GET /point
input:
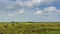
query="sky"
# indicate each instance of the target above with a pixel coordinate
(30, 10)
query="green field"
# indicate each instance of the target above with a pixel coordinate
(30, 28)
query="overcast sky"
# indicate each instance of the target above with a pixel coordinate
(30, 10)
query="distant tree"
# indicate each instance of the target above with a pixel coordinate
(29, 22)
(12, 22)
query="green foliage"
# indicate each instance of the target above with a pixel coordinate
(29, 28)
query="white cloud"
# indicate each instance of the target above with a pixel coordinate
(20, 3)
(38, 12)
(28, 4)
(24, 3)
(15, 14)
(21, 11)
(32, 3)
(36, 1)
(47, 10)
(58, 11)
(51, 8)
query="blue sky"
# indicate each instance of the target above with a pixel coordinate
(30, 10)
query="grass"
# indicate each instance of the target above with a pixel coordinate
(30, 28)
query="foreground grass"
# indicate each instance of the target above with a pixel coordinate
(29, 28)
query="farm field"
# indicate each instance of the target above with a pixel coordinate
(30, 28)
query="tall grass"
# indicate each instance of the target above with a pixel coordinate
(29, 28)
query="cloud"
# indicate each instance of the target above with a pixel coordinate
(47, 10)
(32, 3)
(38, 12)
(51, 8)
(21, 11)
(19, 4)
(14, 14)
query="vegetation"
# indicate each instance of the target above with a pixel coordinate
(30, 28)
